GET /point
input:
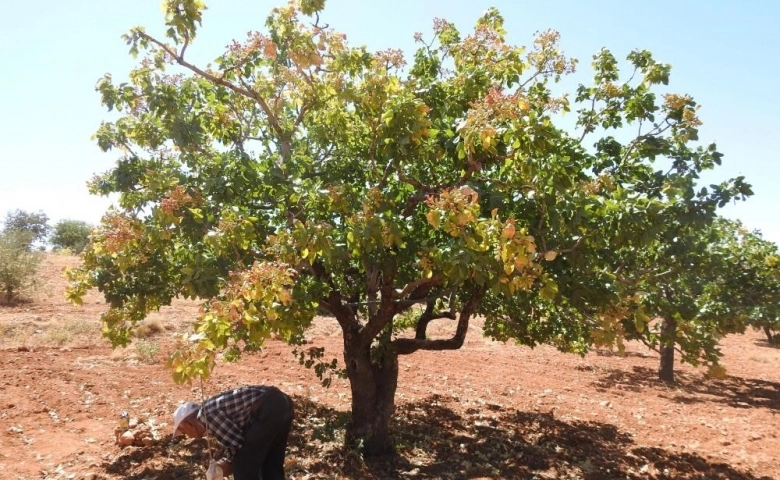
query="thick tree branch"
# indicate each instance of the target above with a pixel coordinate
(430, 314)
(405, 346)
(420, 282)
(382, 316)
(344, 314)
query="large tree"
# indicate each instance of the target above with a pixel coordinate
(300, 174)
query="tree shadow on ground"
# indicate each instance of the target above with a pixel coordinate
(437, 438)
(763, 342)
(733, 391)
(167, 460)
(434, 441)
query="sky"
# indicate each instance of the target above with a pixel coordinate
(52, 53)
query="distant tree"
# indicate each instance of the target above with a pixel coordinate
(670, 292)
(18, 264)
(34, 223)
(71, 234)
(707, 279)
(750, 281)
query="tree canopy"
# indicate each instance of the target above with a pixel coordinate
(300, 174)
(71, 234)
(34, 225)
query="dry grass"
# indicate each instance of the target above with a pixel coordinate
(148, 329)
(69, 332)
(147, 351)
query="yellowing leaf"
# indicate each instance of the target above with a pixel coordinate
(550, 255)
(434, 218)
(550, 290)
(639, 322)
(508, 232)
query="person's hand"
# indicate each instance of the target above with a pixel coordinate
(214, 472)
(227, 467)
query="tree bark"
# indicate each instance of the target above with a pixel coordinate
(768, 333)
(373, 383)
(668, 336)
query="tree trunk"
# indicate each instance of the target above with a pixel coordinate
(373, 383)
(668, 337)
(768, 333)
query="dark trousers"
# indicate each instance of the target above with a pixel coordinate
(265, 439)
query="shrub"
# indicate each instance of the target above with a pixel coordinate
(147, 350)
(71, 234)
(18, 265)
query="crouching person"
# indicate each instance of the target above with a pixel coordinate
(250, 423)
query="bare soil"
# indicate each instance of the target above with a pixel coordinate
(487, 411)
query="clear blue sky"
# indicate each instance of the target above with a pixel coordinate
(723, 53)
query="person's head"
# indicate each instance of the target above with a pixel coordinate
(185, 420)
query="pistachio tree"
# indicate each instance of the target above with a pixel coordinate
(749, 285)
(298, 174)
(678, 296)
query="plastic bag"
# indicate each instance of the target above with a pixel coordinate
(214, 472)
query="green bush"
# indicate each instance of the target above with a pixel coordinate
(18, 264)
(71, 234)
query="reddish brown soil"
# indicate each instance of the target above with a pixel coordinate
(488, 410)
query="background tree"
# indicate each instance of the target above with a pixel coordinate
(671, 288)
(71, 234)
(36, 224)
(301, 173)
(18, 264)
(750, 283)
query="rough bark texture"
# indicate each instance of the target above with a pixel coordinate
(668, 335)
(373, 385)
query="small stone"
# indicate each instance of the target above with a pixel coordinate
(126, 439)
(141, 432)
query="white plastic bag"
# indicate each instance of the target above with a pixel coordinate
(214, 472)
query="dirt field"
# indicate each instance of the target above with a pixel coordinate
(488, 410)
